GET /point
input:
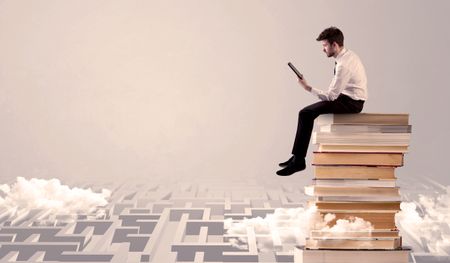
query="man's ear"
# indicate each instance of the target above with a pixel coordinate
(334, 45)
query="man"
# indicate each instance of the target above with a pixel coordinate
(346, 94)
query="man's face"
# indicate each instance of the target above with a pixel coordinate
(329, 49)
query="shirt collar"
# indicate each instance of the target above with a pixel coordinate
(339, 56)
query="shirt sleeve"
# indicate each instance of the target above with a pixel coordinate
(337, 85)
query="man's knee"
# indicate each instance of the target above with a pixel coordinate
(306, 113)
(309, 109)
(360, 108)
(314, 110)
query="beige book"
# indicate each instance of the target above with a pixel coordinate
(378, 220)
(362, 148)
(353, 172)
(367, 159)
(359, 198)
(354, 243)
(349, 206)
(352, 234)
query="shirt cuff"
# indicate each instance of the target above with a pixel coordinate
(315, 91)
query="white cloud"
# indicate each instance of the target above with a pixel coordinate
(50, 195)
(427, 221)
(430, 227)
(351, 225)
(289, 226)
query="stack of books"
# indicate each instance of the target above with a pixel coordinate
(354, 177)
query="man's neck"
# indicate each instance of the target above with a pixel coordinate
(339, 51)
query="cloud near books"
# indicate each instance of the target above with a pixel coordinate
(50, 195)
(427, 221)
(289, 226)
(424, 220)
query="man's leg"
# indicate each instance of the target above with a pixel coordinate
(307, 115)
(305, 125)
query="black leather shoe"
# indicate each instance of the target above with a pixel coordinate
(297, 165)
(287, 162)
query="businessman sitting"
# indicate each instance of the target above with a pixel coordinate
(346, 94)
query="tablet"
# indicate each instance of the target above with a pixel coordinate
(299, 75)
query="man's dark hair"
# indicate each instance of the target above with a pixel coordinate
(332, 34)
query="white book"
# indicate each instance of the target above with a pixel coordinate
(362, 148)
(361, 138)
(346, 191)
(359, 128)
(355, 182)
(354, 243)
(352, 256)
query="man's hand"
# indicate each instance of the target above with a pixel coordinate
(304, 84)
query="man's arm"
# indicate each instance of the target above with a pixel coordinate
(337, 85)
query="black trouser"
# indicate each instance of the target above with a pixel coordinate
(343, 104)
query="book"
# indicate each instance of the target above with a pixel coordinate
(351, 234)
(354, 172)
(362, 148)
(314, 190)
(387, 218)
(386, 139)
(361, 128)
(354, 177)
(352, 256)
(349, 206)
(367, 159)
(377, 224)
(354, 243)
(364, 118)
(355, 182)
(358, 198)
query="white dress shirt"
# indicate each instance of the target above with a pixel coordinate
(350, 78)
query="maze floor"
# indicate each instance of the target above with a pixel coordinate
(163, 222)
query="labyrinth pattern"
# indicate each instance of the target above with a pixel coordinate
(165, 222)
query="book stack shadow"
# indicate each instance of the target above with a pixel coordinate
(354, 178)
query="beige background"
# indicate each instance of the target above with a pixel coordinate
(145, 89)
